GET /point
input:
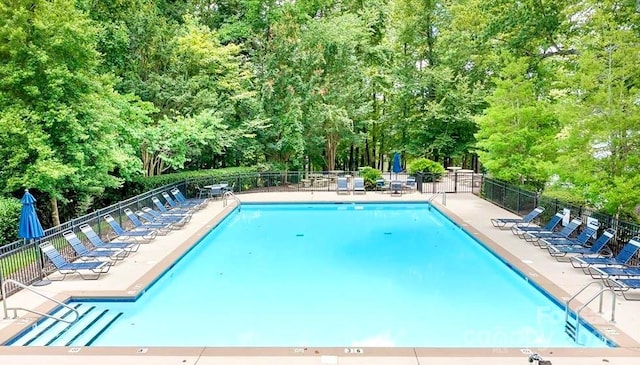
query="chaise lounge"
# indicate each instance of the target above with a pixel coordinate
(342, 185)
(506, 223)
(358, 185)
(561, 251)
(91, 269)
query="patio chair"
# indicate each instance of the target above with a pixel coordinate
(621, 259)
(410, 184)
(396, 187)
(358, 185)
(85, 254)
(520, 230)
(581, 240)
(506, 223)
(342, 185)
(536, 237)
(92, 269)
(561, 251)
(203, 193)
(140, 235)
(97, 242)
(216, 191)
(161, 228)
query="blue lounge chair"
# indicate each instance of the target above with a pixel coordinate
(582, 239)
(168, 216)
(561, 251)
(164, 210)
(153, 216)
(536, 237)
(161, 228)
(520, 230)
(358, 185)
(342, 185)
(97, 242)
(181, 199)
(92, 269)
(141, 236)
(175, 204)
(611, 272)
(506, 223)
(85, 254)
(621, 259)
(624, 285)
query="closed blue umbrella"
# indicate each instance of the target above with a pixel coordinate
(397, 166)
(30, 226)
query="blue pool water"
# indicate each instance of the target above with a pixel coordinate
(340, 275)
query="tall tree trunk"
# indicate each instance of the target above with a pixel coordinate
(55, 214)
(372, 162)
(351, 151)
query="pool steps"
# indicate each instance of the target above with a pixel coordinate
(92, 322)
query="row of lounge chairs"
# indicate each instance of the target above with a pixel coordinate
(147, 223)
(343, 185)
(583, 250)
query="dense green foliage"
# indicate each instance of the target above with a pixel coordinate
(370, 175)
(9, 217)
(95, 96)
(432, 169)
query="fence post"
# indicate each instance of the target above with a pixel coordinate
(455, 181)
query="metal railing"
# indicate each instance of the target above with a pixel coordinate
(522, 201)
(450, 182)
(573, 329)
(23, 262)
(434, 196)
(15, 310)
(230, 194)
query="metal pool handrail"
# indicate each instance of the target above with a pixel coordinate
(599, 294)
(15, 309)
(435, 195)
(230, 194)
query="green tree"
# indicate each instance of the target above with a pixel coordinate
(55, 107)
(600, 154)
(516, 140)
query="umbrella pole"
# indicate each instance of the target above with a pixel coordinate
(43, 281)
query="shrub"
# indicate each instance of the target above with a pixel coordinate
(565, 195)
(370, 176)
(9, 219)
(423, 165)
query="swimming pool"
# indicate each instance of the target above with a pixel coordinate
(338, 275)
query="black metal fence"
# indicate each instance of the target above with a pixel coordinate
(22, 261)
(522, 201)
(465, 181)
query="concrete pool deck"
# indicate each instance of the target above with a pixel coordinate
(470, 212)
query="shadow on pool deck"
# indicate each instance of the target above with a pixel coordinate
(469, 212)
